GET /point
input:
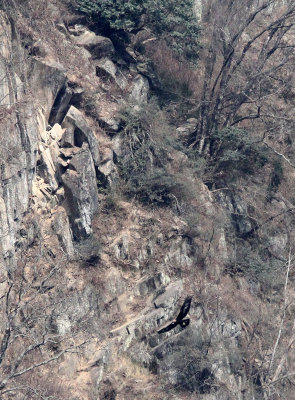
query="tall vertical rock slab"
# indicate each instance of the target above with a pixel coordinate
(81, 192)
(18, 144)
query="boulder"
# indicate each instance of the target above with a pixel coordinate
(77, 29)
(188, 127)
(117, 145)
(68, 139)
(144, 68)
(99, 46)
(106, 69)
(75, 121)
(62, 28)
(121, 247)
(108, 170)
(56, 132)
(107, 166)
(110, 124)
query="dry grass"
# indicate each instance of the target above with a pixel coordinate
(178, 78)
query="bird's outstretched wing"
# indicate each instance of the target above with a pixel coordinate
(169, 327)
(184, 309)
(184, 323)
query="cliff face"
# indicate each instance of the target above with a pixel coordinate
(88, 274)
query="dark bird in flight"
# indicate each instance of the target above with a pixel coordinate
(180, 318)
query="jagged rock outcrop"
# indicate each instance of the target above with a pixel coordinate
(20, 146)
(61, 105)
(238, 211)
(107, 169)
(106, 270)
(75, 123)
(188, 127)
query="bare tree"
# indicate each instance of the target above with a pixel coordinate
(250, 53)
(29, 305)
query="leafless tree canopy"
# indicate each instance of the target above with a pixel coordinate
(248, 66)
(30, 304)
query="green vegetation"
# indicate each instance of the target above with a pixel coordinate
(116, 14)
(253, 262)
(170, 20)
(234, 153)
(175, 22)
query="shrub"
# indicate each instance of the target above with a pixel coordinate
(276, 176)
(111, 200)
(234, 153)
(143, 166)
(177, 78)
(171, 20)
(116, 14)
(144, 135)
(175, 22)
(88, 251)
(253, 262)
(159, 187)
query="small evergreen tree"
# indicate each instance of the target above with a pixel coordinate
(116, 14)
(171, 20)
(175, 22)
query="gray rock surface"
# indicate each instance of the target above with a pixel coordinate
(106, 69)
(238, 209)
(170, 296)
(61, 227)
(61, 105)
(110, 124)
(188, 127)
(76, 123)
(47, 168)
(130, 268)
(139, 90)
(99, 46)
(20, 146)
(79, 181)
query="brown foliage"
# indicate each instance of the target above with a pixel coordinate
(178, 78)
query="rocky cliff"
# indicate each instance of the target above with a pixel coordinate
(90, 270)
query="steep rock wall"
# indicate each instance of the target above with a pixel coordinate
(52, 173)
(112, 271)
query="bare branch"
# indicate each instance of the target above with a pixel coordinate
(280, 154)
(288, 266)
